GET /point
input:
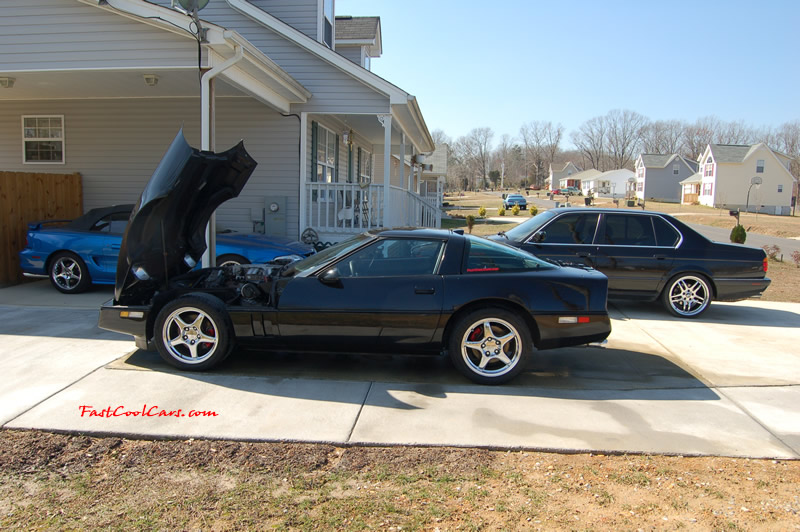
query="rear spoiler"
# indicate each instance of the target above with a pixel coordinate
(35, 226)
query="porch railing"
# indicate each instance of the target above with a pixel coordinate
(412, 210)
(351, 208)
(344, 207)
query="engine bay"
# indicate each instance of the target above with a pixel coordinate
(242, 284)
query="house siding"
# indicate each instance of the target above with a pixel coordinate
(334, 91)
(732, 181)
(116, 145)
(59, 35)
(661, 184)
(351, 53)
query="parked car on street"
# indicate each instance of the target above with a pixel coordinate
(571, 191)
(515, 199)
(74, 254)
(412, 291)
(647, 256)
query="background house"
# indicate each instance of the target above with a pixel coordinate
(658, 177)
(557, 172)
(575, 180)
(434, 175)
(104, 86)
(607, 184)
(727, 178)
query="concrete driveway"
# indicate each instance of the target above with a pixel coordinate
(726, 384)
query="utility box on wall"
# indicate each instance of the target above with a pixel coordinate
(275, 221)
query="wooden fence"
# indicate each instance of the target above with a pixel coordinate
(29, 197)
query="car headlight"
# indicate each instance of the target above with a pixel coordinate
(140, 273)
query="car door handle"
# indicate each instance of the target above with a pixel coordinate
(424, 290)
(660, 257)
(584, 254)
(115, 246)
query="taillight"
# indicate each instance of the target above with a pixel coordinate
(765, 264)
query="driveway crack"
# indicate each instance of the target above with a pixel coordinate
(360, 408)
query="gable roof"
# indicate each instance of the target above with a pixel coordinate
(730, 153)
(659, 160)
(694, 178)
(404, 106)
(360, 31)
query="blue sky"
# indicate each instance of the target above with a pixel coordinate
(503, 63)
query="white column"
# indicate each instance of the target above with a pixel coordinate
(386, 122)
(303, 170)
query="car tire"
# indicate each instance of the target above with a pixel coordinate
(68, 273)
(510, 351)
(231, 259)
(194, 332)
(687, 295)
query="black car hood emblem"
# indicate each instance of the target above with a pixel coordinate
(165, 236)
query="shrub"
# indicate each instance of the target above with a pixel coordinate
(771, 251)
(796, 258)
(470, 222)
(534, 210)
(482, 212)
(501, 212)
(738, 234)
(515, 210)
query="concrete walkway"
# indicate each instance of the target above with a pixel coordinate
(726, 384)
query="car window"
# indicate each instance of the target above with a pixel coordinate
(523, 230)
(666, 235)
(393, 256)
(489, 256)
(573, 228)
(113, 223)
(628, 230)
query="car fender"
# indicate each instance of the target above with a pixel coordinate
(517, 307)
(683, 269)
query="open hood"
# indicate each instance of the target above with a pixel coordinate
(165, 236)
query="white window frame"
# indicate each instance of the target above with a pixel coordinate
(676, 169)
(365, 174)
(760, 166)
(60, 139)
(780, 189)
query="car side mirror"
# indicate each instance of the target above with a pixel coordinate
(330, 277)
(539, 236)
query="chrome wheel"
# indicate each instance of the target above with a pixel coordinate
(66, 273)
(491, 347)
(688, 296)
(190, 335)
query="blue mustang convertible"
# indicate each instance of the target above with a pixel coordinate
(83, 251)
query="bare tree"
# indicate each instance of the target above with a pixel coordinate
(479, 141)
(699, 135)
(553, 135)
(663, 137)
(623, 134)
(440, 137)
(502, 156)
(590, 140)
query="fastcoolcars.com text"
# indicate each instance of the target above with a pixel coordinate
(145, 411)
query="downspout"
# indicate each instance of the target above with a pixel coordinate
(206, 103)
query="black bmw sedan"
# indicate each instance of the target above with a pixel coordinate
(647, 256)
(404, 291)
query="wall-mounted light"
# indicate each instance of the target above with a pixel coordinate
(347, 137)
(7, 83)
(151, 80)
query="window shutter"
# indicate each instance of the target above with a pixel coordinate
(314, 141)
(358, 167)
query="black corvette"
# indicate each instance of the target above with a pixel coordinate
(647, 256)
(412, 291)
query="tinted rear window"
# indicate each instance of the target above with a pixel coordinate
(666, 235)
(628, 230)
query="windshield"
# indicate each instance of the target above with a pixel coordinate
(523, 230)
(318, 259)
